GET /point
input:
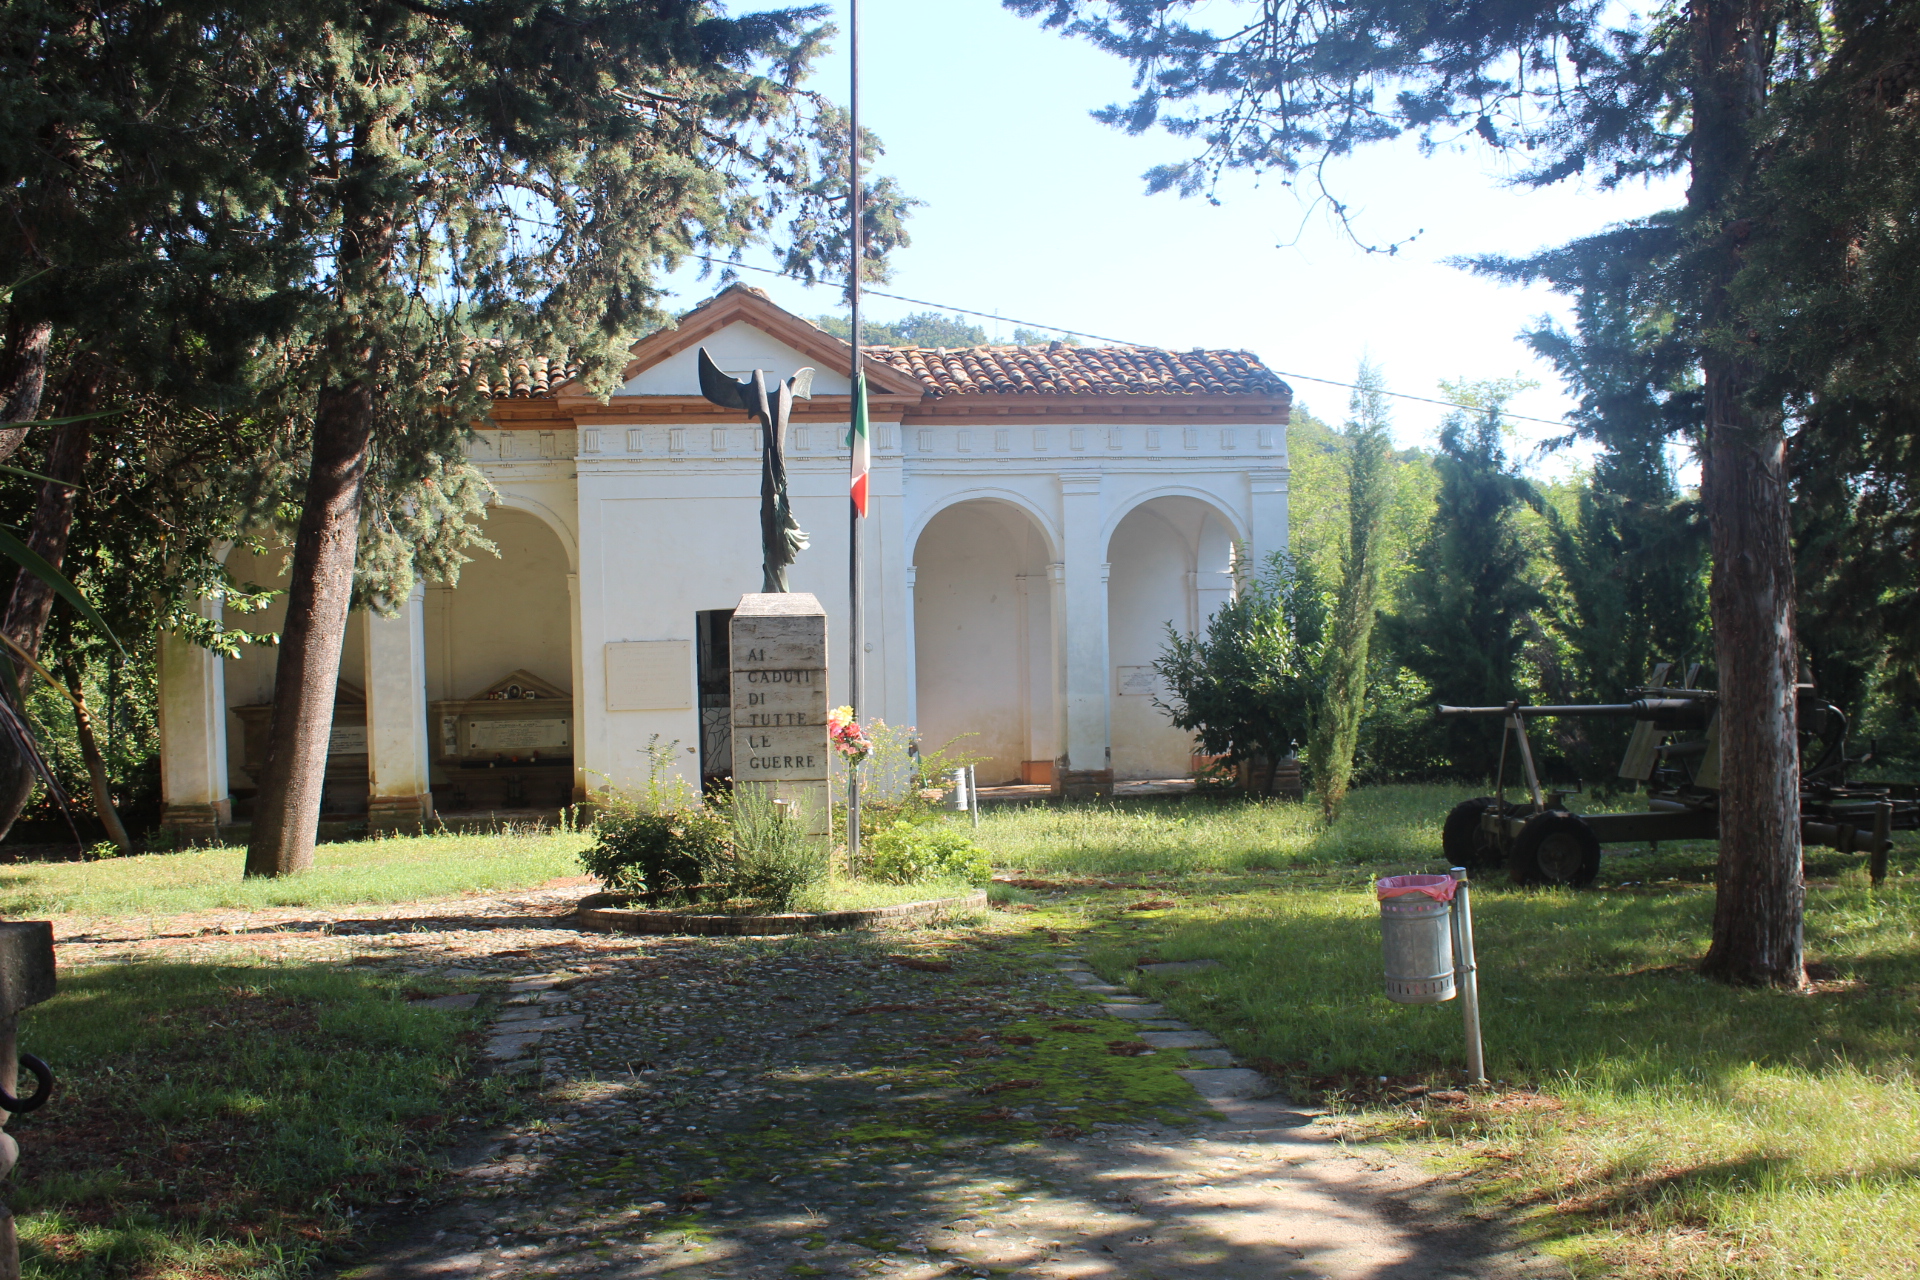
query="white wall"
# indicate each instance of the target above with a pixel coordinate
(508, 613)
(1168, 563)
(974, 624)
(738, 349)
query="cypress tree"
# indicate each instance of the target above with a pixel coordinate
(1368, 449)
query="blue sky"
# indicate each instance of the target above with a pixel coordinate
(1035, 211)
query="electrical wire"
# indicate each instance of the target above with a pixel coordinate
(1099, 337)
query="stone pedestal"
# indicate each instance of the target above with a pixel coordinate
(26, 978)
(778, 662)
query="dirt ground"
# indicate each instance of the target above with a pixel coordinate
(962, 1100)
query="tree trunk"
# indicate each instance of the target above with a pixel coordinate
(31, 600)
(1760, 902)
(96, 764)
(286, 812)
(23, 375)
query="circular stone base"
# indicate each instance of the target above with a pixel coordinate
(604, 913)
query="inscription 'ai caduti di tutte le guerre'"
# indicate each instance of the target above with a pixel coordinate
(779, 688)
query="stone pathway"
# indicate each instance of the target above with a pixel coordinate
(959, 1102)
(910, 1105)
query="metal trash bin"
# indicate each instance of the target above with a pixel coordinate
(1416, 937)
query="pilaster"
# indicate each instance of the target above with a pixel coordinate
(399, 787)
(192, 716)
(1086, 768)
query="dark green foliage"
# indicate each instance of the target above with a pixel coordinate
(772, 860)
(1249, 688)
(1464, 609)
(917, 329)
(1368, 457)
(666, 852)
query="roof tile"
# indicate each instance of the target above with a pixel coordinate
(1057, 369)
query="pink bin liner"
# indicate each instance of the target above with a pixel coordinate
(1439, 888)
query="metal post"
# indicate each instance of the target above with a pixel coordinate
(855, 634)
(973, 796)
(1882, 838)
(1466, 975)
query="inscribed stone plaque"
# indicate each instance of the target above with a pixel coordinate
(650, 675)
(518, 735)
(347, 740)
(1139, 681)
(764, 754)
(780, 695)
(765, 699)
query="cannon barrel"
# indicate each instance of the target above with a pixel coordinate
(1584, 709)
(1666, 713)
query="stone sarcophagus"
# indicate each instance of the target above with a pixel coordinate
(508, 747)
(345, 790)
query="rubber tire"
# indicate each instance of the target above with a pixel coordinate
(1555, 849)
(1461, 839)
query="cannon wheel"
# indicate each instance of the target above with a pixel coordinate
(1462, 840)
(1555, 848)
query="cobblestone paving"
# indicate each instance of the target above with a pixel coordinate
(965, 1101)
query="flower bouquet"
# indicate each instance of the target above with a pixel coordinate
(846, 735)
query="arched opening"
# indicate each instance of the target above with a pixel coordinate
(1170, 564)
(983, 640)
(499, 668)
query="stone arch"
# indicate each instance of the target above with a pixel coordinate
(513, 500)
(1042, 519)
(984, 660)
(1169, 564)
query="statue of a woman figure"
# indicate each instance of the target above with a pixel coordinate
(781, 540)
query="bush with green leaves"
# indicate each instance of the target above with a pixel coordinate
(669, 853)
(906, 852)
(775, 862)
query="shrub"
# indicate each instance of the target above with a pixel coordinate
(662, 851)
(904, 853)
(775, 862)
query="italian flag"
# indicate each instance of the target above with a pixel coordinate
(862, 452)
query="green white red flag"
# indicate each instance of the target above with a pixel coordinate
(862, 454)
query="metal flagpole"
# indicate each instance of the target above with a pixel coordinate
(855, 445)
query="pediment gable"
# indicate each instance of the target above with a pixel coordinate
(761, 333)
(521, 685)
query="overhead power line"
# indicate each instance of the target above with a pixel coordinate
(1101, 337)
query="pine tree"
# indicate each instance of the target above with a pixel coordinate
(1368, 456)
(491, 181)
(1466, 602)
(1711, 87)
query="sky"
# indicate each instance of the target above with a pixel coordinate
(1035, 211)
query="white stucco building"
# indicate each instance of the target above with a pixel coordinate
(1039, 516)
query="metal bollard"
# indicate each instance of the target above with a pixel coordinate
(1416, 938)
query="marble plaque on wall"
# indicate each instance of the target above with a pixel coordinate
(518, 735)
(650, 675)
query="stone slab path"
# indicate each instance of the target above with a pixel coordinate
(960, 1102)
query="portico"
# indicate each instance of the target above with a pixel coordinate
(1039, 516)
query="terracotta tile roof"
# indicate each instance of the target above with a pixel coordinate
(1057, 369)
(521, 379)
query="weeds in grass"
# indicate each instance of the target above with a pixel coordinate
(384, 869)
(225, 1120)
(1647, 1122)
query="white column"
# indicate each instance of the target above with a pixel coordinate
(1089, 764)
(1039, 675)
(399, 759)
(1267, 513)
(193, 735)
(579, 688)
(910, 646)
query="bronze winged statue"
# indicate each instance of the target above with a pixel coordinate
(781, 540)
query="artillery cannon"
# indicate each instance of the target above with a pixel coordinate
(1674, 752)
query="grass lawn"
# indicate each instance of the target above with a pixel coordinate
(227, 1121)
(398, 869)
(1648, 1123)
